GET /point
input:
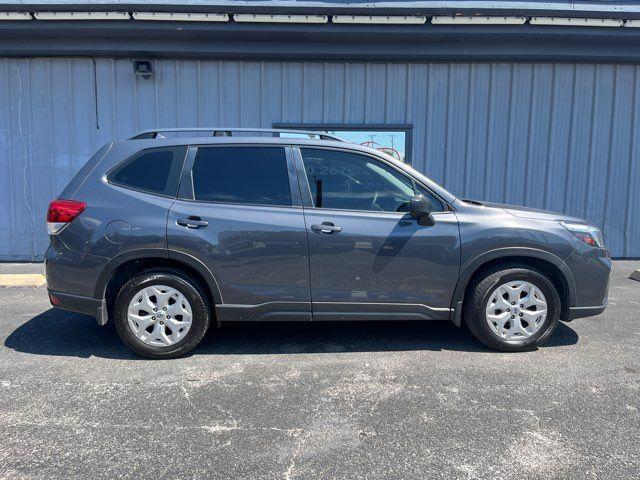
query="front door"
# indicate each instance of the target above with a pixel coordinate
(368, 258)
(241, 218)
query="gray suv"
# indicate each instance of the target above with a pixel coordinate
(169, 232)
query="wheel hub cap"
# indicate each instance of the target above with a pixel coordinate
(516, 310)
(159, 315)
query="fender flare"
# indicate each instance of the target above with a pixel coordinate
(157, 253)
(469, 268)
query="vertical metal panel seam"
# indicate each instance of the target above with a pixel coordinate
(552, 122)
(303, 90)
(466, 130)
(219, 72)
(527, 157)
(632, 155)
(570, 139)
(366, 88)
(385, 113)
(112, 69)
(52, 151)
(609, 149)
(487, 130)
(409, 89)
(408, 106)
(176, 79)
(446, 129)
(11, 159)
(28, 159)
(324, 89)
(510, 135)
(591, 145)
(344, 94)
(136, 110)
(156, 97)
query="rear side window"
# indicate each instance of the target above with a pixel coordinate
(155, 170)
(253, 175)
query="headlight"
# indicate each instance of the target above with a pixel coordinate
(589, 234)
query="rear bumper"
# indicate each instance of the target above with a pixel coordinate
(79, 304)
(71, 278)
(71, 272)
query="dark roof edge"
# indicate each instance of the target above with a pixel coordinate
(379, 43)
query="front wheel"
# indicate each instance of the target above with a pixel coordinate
(512, 308)
(161, 314)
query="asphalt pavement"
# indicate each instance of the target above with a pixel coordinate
(319, 401)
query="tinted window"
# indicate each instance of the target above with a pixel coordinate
(436, 205)
(256, 175)
(153, 170)
(350, 181)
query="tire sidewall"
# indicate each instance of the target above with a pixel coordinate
(199, 308)
(491, 282)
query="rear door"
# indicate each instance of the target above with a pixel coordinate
(240, 214)
(368, 258)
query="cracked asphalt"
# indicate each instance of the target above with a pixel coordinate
(319, 401)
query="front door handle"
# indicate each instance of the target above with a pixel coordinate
(326, 228)
(192, 222)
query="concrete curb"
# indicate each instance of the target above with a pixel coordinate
(22, 280)
(635, 275)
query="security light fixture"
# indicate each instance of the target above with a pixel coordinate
(143, 68)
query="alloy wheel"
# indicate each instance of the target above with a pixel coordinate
(516, 310)
(159, 315)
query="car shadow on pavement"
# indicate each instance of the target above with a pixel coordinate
(60, 333)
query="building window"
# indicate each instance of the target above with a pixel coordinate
(394, 140)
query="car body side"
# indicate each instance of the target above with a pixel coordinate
(125, 230)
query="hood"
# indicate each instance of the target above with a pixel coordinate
(527, 212)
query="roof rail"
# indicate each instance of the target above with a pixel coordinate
(228, 132)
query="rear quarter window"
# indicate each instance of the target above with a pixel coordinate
(154, 170)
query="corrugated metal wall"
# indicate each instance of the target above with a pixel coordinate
(557, 136)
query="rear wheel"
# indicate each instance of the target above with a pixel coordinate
(512, 308)
(161, 314)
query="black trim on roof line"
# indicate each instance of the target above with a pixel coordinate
(385, 43)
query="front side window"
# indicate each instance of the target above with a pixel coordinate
(350, 181)
(252, 175)
(155, 170)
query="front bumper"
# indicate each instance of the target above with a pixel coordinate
(591, 268)
(581, 312)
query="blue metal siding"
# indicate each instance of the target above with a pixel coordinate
(564, 137)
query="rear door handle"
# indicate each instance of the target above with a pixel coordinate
(192, 222)
(326, 228)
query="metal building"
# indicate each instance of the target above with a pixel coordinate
(529, 103)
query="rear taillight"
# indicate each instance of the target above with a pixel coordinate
(61, 213)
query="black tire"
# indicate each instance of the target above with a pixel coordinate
(190, 289)
(478, 296)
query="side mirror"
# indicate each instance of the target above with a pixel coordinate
(421, 211)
